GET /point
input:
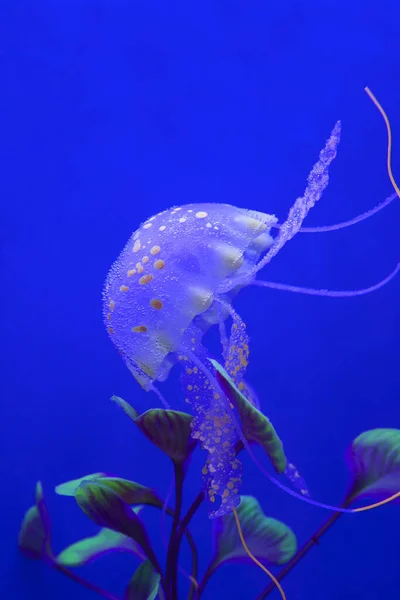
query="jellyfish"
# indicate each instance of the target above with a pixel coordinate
(177, 277)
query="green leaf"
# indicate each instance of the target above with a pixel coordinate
(256, 427)
(32, 535)
(69, 487)
(127, 408)
(35, 534)
(144, 583)
(374, 461)
(170, 431)
(132, 492)
(105, 507)
(91, 548)
(268, 539)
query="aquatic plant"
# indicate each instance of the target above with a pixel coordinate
(116, 505)
(156, 326)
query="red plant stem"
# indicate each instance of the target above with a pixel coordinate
(313, 541)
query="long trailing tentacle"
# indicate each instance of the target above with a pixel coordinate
(350, 222)
(154, 389)
(253, 558)
(309, 500)
(377, 286)
(389, 142)
(328, 293)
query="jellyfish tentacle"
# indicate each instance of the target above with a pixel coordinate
(253, 558)
(157, 392)
(389, 141)
(350, 222)
(328, 293)
(222, 334)
(308, 500)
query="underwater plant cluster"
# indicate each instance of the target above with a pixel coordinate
(115, 505)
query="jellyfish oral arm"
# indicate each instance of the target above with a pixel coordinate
(317, 181)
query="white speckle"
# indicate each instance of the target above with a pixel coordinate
(216, 228)
(201, 214)
(208, 225)
(182, 219)
(162, 228)
(190, 211)
(147, 225)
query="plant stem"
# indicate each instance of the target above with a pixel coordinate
(183, 529)
(190, 514)
(81, 581)
(195, 562)
(149, 552)
(173, 547)
(195, 557)
(313, 541)
(204, 581)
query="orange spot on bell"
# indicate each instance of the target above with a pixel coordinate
(159, 264)
(139, 329)
(157, 304)
(145, 279)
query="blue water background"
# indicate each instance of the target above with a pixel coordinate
(113, 111)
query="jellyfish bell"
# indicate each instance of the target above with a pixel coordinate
(163, 290)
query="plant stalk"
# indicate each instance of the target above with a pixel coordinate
(174, 542)
(78, 579)
(189, 515)
(195, 563)
(205, 580)
(313, 541)
(183, 528)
